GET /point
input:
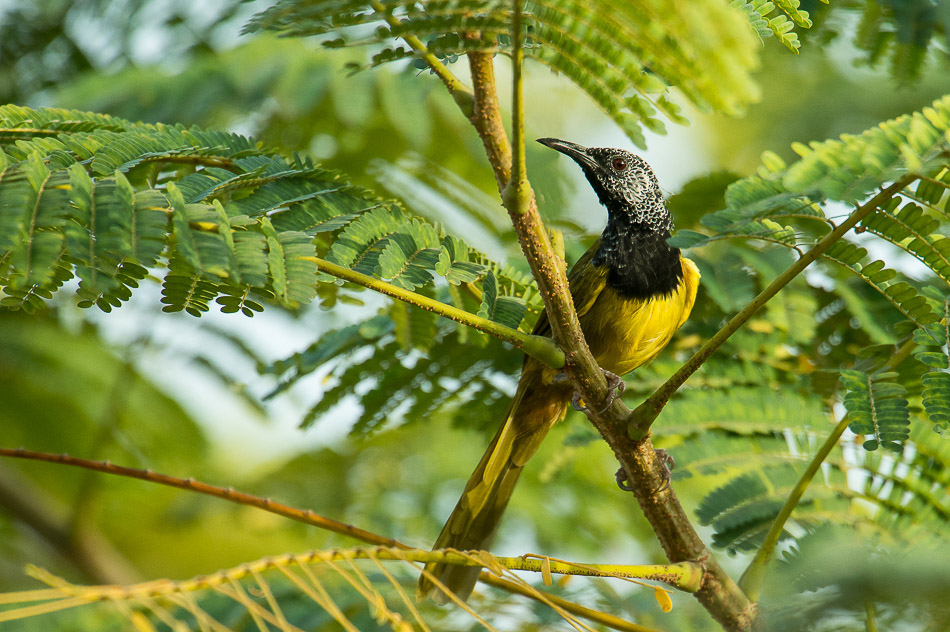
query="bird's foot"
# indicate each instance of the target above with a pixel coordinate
(665, 460)
(615, 385)
(622, 480)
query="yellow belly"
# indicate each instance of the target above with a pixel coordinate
(637, 329)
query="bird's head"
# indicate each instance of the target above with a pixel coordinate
(624, 182)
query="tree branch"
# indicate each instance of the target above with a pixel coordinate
(540, 347)
(718, 593)
(486, 117)
(646, 413)
(686, 575)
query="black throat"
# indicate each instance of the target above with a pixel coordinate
(642, 265)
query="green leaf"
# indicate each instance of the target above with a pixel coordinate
(410, 256)
(626, 58)
(507, 310)
(877, 408)
(454, 263)
(685, 239)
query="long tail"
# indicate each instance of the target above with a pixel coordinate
(474, 521)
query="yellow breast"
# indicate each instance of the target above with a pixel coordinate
(625, 333)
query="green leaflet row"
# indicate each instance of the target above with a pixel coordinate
(218, 217)
(625, 56)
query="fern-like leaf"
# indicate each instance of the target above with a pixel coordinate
(506, 310)
(877, 408)
(757, 12)
(934, 353)
(110, 200)
(625, 57)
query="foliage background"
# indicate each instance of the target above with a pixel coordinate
(183, 396)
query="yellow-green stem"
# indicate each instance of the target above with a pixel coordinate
(603, 618)
(516, 193)
(638, 423)
(460, 92)
(751, 580)
(870, 625)
(540, 347)
(685, 575)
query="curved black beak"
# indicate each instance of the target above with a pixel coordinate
(577, 152)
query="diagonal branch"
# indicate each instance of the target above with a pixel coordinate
(684, 575)
(540, 347)
(646, 413)
(461, 93)
(751, 580)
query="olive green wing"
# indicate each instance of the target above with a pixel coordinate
(586, 283)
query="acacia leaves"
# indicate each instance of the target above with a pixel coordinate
(934, 353)
(793, 205)
(110, 201)
(775, 19)
(878, 408)
(625, 56)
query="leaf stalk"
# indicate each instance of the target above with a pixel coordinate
(461, 93)
(639, 422)
(752, 578)
(540, 347)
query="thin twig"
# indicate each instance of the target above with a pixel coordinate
(751, 580)
(597, 616)
(459, 91)
(540, 347)
(646, 413)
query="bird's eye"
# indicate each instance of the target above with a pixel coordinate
(619, 164)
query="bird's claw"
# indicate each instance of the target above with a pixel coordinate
(666, 460)
(622, 480)
(615, 385)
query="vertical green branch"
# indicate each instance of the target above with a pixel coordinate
(751, 580)
(515, 194)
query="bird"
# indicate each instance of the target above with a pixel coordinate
(631, 290)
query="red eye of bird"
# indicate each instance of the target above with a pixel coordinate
(619, 164)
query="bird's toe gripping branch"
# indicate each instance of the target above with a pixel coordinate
(615, 384)
(666, 459)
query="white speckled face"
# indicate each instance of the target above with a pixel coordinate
(625, 178)
(624, 183)
(641, 263)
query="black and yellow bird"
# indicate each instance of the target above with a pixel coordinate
(631, 290)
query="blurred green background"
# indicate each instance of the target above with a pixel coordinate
(183, 396)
